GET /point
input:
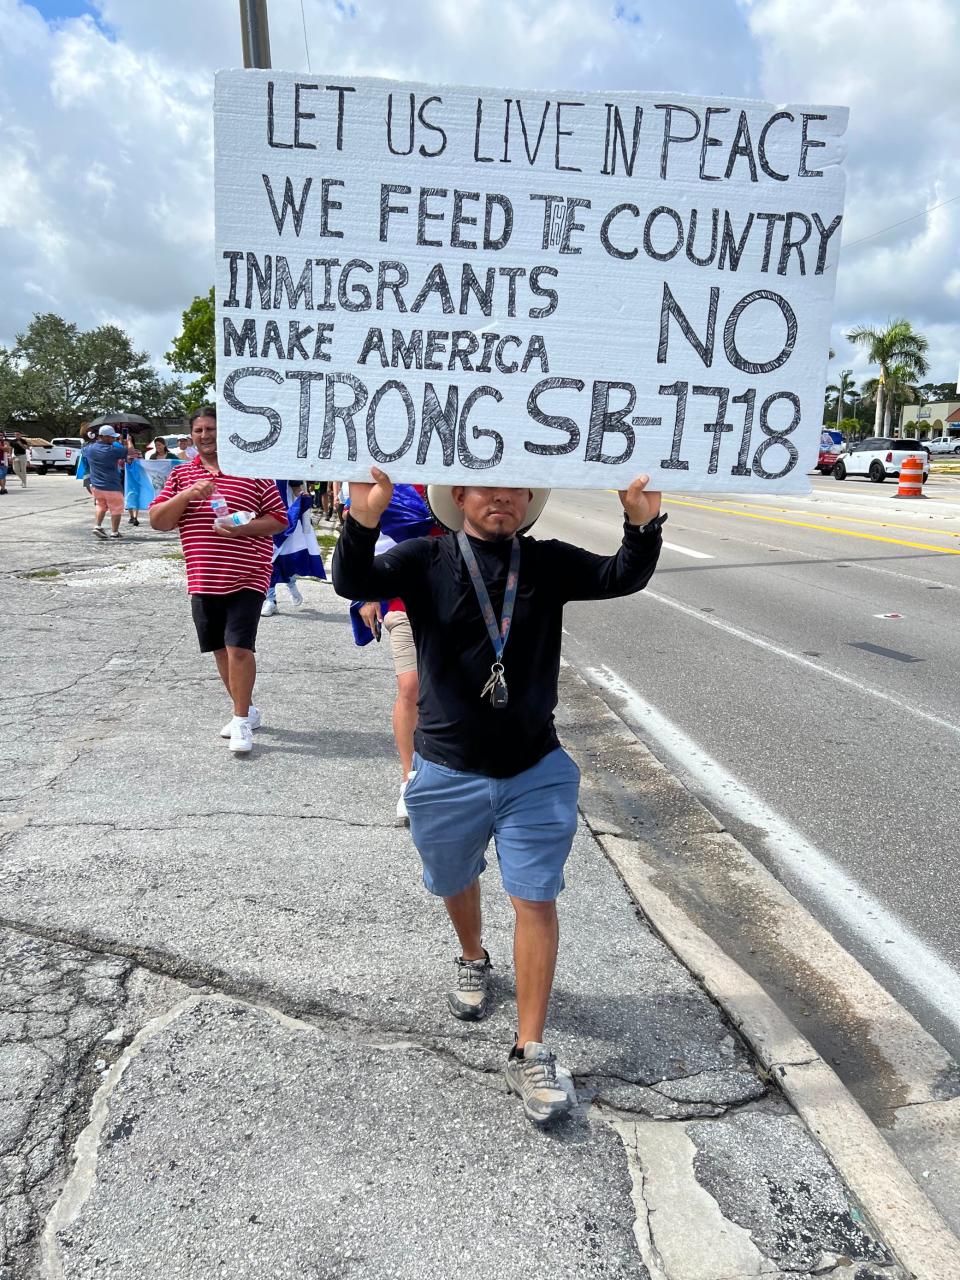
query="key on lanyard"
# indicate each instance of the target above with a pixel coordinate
(496, 686)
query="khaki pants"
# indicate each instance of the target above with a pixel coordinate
(20, 467)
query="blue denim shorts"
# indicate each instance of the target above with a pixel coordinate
(532, 818)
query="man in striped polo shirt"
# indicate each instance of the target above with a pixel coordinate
(228, 567)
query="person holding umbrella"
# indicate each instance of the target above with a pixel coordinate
(105, 461)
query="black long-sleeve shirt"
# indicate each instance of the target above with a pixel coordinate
(457, 727)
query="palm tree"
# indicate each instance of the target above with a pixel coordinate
(896, 346)
(895, 389)
(842, 389)
(899, 391)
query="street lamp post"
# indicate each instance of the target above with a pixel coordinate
(255, 32)
(853, 397)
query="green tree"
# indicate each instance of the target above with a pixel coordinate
(898, 345)
(195, 350)
(841, 390)
(158, 398)
(937, 392)
(11, 389)
(66, 373)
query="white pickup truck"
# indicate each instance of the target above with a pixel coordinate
(61, 454)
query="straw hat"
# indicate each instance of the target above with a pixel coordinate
(446, 511)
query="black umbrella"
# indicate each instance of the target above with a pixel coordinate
(113, 418)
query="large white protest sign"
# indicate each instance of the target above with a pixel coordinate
(496, 286)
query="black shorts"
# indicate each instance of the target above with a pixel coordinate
(227, 620)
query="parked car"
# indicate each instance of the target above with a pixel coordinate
(62, 454)
(879, 457)
(945, 444)
(831, 446)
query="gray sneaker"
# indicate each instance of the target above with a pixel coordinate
(534, 1078)
(471, 1000)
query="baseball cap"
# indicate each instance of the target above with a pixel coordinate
(107, 430)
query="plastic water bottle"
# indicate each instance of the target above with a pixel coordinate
(236, 518)
(218, 505)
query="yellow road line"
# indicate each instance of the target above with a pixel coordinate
(850, 520)
(826, 515)
(823, 528)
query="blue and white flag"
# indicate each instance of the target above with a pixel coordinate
(143, 480)
(157, 470)
(407, 516)
(296, 552)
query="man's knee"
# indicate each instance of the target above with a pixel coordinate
(408, 689)
(240, 657)
(534, 910)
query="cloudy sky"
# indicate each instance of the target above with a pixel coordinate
(106, 132)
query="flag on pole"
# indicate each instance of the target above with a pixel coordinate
(407, 516)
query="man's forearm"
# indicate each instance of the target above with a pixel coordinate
(353, 561)
(168, 514)
(262, 527)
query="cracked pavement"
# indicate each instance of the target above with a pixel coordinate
(225, 1048)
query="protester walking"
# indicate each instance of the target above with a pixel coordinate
(4, 463)
(105, 460)
(133, 499)
(486, 606)
(226, 526)
(20, 451)
(296, 552)
(407, 516)
(88, 435)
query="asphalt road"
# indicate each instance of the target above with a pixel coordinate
(796, 661)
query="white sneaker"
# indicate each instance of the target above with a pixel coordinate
(296, 598)
(403, 818)
(269, 609)
(241, 737)
(254, 719)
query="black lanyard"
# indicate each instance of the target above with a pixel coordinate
(496, 686)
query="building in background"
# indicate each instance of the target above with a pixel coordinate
(927, 421)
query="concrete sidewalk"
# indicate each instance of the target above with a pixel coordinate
(226, 1050)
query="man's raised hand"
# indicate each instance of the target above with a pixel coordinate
(640, 504)
(368, 502)
(202, 489)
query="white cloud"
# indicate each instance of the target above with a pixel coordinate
(106, 138)
(893, 67)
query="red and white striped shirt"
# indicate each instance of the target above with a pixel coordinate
(218, 566)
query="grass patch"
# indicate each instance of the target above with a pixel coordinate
(172, 555)
(327, 541)
(42, 573)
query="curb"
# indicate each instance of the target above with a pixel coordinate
(917, 1235)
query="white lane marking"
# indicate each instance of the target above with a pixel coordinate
(768, 645)
(878, 929)
(688, 551)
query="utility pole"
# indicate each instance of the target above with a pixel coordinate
(255, 30)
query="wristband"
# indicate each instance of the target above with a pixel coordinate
(652, 526)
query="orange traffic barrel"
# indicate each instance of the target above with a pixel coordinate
(911, 478)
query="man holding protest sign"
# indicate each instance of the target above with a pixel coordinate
(566, 290)
(486, 606)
